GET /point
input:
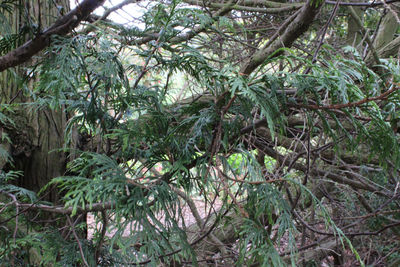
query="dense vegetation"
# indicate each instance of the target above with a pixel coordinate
(247, 133)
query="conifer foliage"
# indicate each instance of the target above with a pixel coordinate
(199, 133)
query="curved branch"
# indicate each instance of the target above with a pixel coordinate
(187, 35)
(290, 33)
(69, 210)
(366, 4)
(383, 96)
(275, 9)
(62, 26)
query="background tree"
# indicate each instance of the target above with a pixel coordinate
(247, 132)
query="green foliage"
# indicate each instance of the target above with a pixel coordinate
(127, 115)
(7, 5)
(101, 180)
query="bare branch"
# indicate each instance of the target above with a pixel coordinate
(64, 210)
(295, 28)
(283, 7)
(77, 240)
(366, 4)
(187, 35)
(353, 104)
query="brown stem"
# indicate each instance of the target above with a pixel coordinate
(77, 240)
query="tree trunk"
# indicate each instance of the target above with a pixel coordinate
(36, 133)
(387, 29)
(354, 35)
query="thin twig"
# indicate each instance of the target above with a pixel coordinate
(77, 240)
(351, 104)
(102, 235)
(314, 59)
(385, 3)
(367, 39)
(199, 221)
(366, 4)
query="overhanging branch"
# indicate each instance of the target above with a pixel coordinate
(289, 34)
(69, 210)
(62, 26)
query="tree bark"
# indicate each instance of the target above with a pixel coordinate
(36, 134)
(61, 26)
(354, 36)
(387, 29)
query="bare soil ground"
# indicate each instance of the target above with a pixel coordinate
(188, 218)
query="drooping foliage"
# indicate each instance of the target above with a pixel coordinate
(175, 156)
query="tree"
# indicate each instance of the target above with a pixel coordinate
(280, 119)
(34, 133)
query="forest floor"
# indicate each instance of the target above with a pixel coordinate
(187, 220)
